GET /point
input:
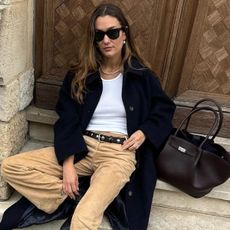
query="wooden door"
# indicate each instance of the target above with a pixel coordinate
(60, 25)
(186, 42)
(206, 69)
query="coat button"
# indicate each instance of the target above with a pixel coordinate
(131, 108)
(130, 193)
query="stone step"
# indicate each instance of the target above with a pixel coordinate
(41, 123)
(171, 209)
(171, 219)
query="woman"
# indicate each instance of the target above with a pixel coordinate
(113, 120)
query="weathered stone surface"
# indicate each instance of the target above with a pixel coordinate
(30, 32)
(221, 192)
(35, 144)
(12, 138)
(16, 76)
(42, 116)
(26, 87)
(5, 189)
(172, 219)
(9, 100)
(173, 210)
(6, 2)
(16, 95)
(5, 192)
(16, 73)
(41, 132)
(15, 49)
(13, 135)
(181, 201)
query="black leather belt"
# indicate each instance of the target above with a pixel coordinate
(102, 137)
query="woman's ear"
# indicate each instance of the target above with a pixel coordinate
(124, 36)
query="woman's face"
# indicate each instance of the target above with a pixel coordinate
(110, 44)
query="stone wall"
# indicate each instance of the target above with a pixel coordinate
(16, 77)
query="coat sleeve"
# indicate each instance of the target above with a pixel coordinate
(158, 125)
(68, 138)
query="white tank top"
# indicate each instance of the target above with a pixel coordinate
(110, 114)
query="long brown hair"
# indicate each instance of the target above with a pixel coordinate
(90, 57)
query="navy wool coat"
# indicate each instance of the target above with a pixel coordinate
(147, 108)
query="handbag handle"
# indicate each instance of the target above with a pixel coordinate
(213, 127)
(220, 114)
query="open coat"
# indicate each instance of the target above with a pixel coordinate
(147, 108)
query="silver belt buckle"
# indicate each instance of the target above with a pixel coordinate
(99, 137)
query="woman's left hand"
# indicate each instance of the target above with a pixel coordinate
(134, 141)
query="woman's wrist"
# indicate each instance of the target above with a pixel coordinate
(69, 161)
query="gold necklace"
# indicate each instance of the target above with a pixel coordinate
(110, 73)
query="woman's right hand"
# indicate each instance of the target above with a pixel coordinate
(70, 178)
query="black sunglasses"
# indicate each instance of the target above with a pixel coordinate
(112, 34)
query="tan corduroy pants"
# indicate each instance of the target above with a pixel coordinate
(38, 176)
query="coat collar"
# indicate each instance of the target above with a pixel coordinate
(134, 70)
(92, 78)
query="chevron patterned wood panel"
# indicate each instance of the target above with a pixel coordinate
(70, 18)
(212, 69)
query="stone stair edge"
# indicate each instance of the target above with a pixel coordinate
(44, 116)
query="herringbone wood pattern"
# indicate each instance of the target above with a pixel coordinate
(59, 29)
(212, 69)
(71, 18)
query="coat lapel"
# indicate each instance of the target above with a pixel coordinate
(93, 94)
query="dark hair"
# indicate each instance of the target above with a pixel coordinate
(90, 57)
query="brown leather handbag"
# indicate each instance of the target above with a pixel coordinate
(195, 164)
